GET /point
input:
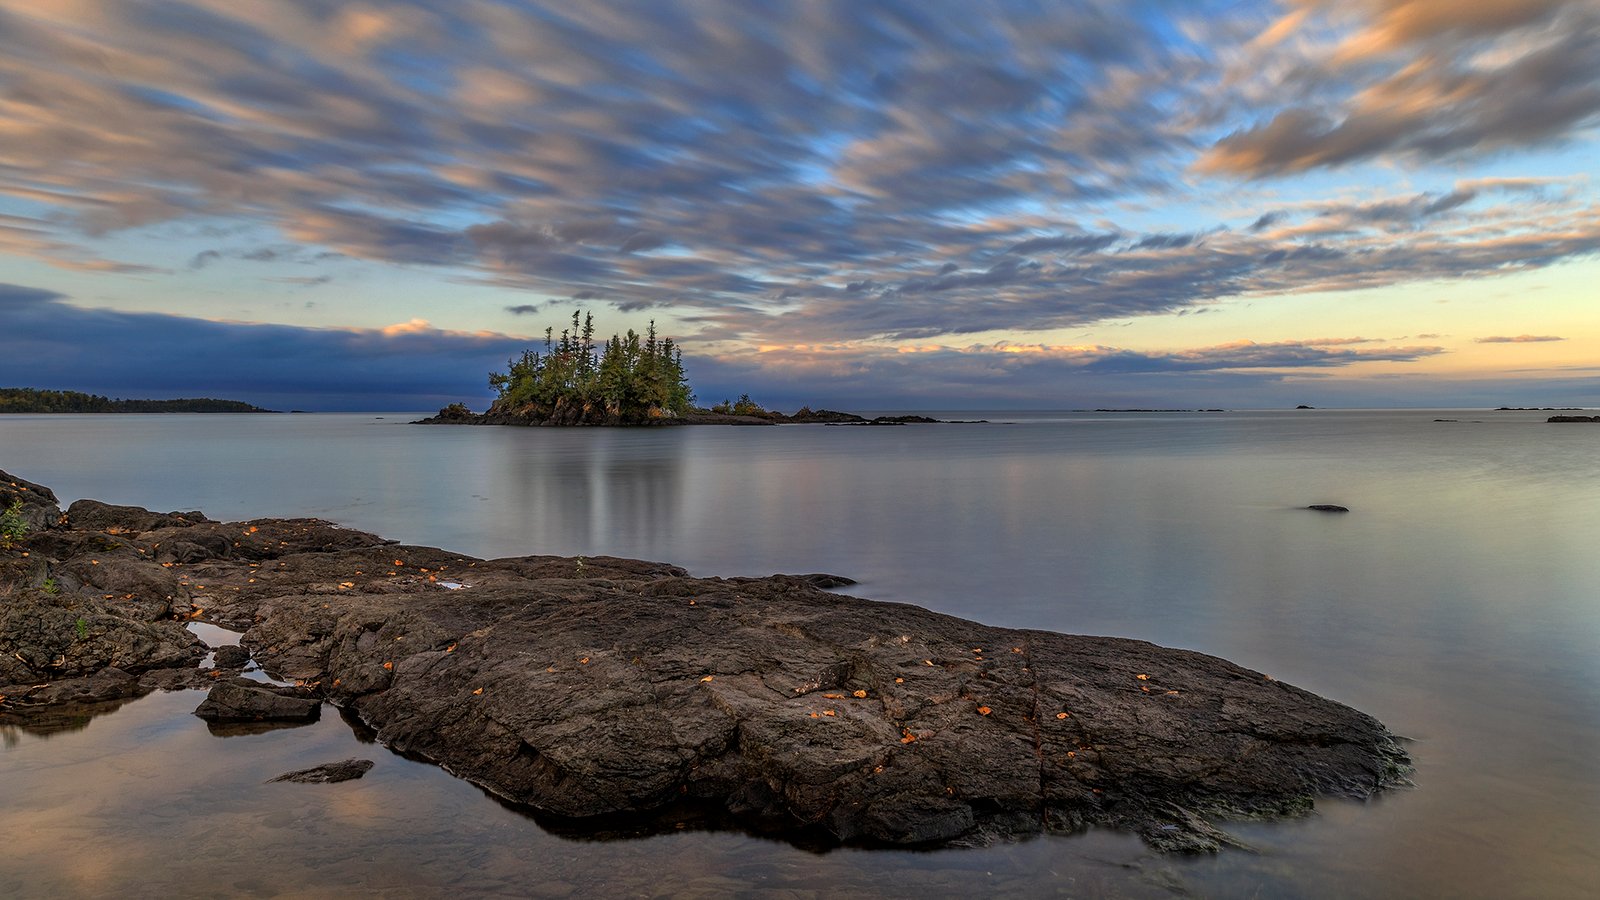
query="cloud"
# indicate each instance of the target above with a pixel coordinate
(1519, 339)
(1424, 80)
(46, 341)
(523, 309)
(833, 171)
(1007, 373)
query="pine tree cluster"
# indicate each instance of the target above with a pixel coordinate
(629, 379)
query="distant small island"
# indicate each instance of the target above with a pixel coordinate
(34, 400)
(632, 379)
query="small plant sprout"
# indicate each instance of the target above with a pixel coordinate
(13, 527)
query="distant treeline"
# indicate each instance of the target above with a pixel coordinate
(32, 400)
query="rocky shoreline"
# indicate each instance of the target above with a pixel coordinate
(622, 695)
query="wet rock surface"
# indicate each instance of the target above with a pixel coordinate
(602, 690)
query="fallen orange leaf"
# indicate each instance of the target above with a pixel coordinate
(899, 681)
(833, 696)
(1172, 693)
(1142, 677)
(585, 660)
(828, 712)
(860, 694)
(450, 649)
(707, 678)
(478, 691)
(984, 710)
(388, 665)
(1061, 715)
(398, 563)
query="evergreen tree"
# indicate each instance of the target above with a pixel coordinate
(629, 380)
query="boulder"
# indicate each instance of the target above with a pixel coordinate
(48, 636)
(92, 515)
(231, 657)
(36, 503)
(238, 700)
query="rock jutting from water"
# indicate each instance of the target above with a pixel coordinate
(327, 773)
(601, 690)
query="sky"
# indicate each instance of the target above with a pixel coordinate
(330, 205)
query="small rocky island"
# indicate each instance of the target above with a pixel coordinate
(613, 694)
(631, 379)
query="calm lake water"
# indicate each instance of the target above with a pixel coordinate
(1459, 602)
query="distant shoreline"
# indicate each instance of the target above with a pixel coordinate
(37, 401)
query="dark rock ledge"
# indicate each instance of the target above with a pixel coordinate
(610, 690)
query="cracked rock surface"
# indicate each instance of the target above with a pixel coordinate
(602, 691)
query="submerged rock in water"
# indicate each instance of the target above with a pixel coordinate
(328, 773)
(1328, 507)
(599, 690)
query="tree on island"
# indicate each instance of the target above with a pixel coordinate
(630, 380)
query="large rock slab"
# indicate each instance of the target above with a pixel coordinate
(795, 709)
(599, 690)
